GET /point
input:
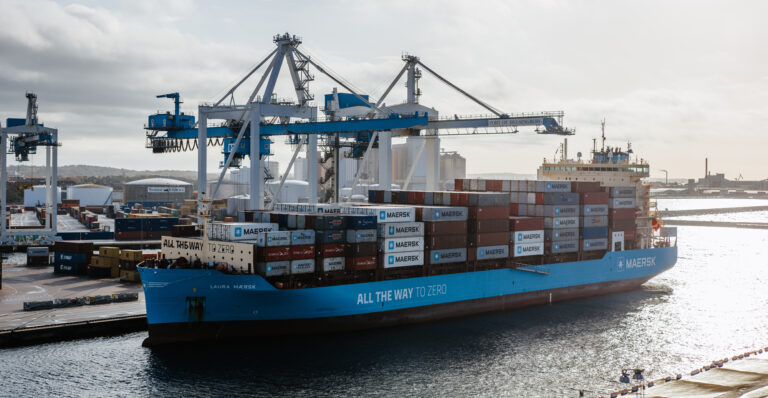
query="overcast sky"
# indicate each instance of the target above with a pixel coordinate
(682, 80)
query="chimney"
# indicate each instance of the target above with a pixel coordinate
(706, 167)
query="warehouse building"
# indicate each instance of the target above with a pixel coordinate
(152, 192)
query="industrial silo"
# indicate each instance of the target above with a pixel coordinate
(152, 192)
(90, 194)
(36, 196)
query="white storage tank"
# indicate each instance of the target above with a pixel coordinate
(36, 196)
(293, 191)
(90, 194)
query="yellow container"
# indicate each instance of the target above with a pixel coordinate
(104, 262)
(130, 255)
(114, 272)
(129, 276)
(109, 251)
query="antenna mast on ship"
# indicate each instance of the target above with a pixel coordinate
(602, 128)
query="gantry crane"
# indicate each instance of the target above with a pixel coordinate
(356, 122)
(26, 135)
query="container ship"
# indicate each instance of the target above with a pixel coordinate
(583, 228)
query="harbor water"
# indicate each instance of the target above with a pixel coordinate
(709, 306)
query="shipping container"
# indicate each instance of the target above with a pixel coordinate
(274, 268)
(488, 226)
(387, 214)
(433, 213)
(527, 249)
(488, 212)
(594, 198)
(593, 221)
(445, 228)
(332, 250)
(553, 186)
(447, 256)
(303, 266)
(622, 192)
(492, 252)
(303, 237)
(622, 203)
(401, 230)
(361, 222)
(302, 252)
(440, 242)
(526, 223)
(567, 246)
(401, 244)
(491, 239)
(518, 237)
(361, 235)
(361, 249)
(560, 198)
(616, 214)
(594, 210)
(561, 234)
(273, 238)
(361, 263)
(586, 186)
(331, 264)
(402, 259)
(561, 222)
(594, 233)
(239, 231)
(270, 254)
(595, 244)
(330, 236)
(556, 211)
(326, 221)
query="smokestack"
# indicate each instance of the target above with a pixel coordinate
(706, 167)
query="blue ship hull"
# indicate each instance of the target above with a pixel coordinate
(195, 304)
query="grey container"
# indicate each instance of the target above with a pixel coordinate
(561, 222)
(305, 266)
(553, 186)
(361, 235)
(488, 199)
(303, 237)
(274, 268)
(561, 198)
(567, 246)
(333, 264)
(561, 234)
(557, 211)
(594, 210)
(435, 213)
(594, 221)
(622, 203)
(448, 256)
(595, 244)
(622, 192)
(492, 252)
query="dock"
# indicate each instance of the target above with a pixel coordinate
(22, 283)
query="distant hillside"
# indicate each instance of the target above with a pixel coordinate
(80, 170)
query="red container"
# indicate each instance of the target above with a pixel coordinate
(471, 254)
(526, 223)
(594, 198)
(440, 242)
(621, 223)
(629, 235)
(302, 252)
(487, 226)
(539, 198)
(492, 239)
(459, 198)
(361, 263)
(416, 197)
(276, 253)
(331, 250)
(493, 185)
(445, 227)
(514, 209)
(367, 249)
(621, 213)
(488, 212)
(586, 186)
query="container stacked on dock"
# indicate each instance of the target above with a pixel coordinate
(106, 264)
(143, 228)
(129, 259)
(72, 257)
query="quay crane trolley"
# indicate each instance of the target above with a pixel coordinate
(348, 120)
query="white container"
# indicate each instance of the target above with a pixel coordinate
(553, 186)
(302, 237)
(528, 249)
(239, 231)
(273, 268)
(401, 230)
(444, 213)
(403, 259)
(333, 264)
(274, 238)
(305, 266)
(361, 235)
(526, 236)
(594, 210)
(392, 245)
(386, 214)
(595, 244)
(447, 256)
(492, 252)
